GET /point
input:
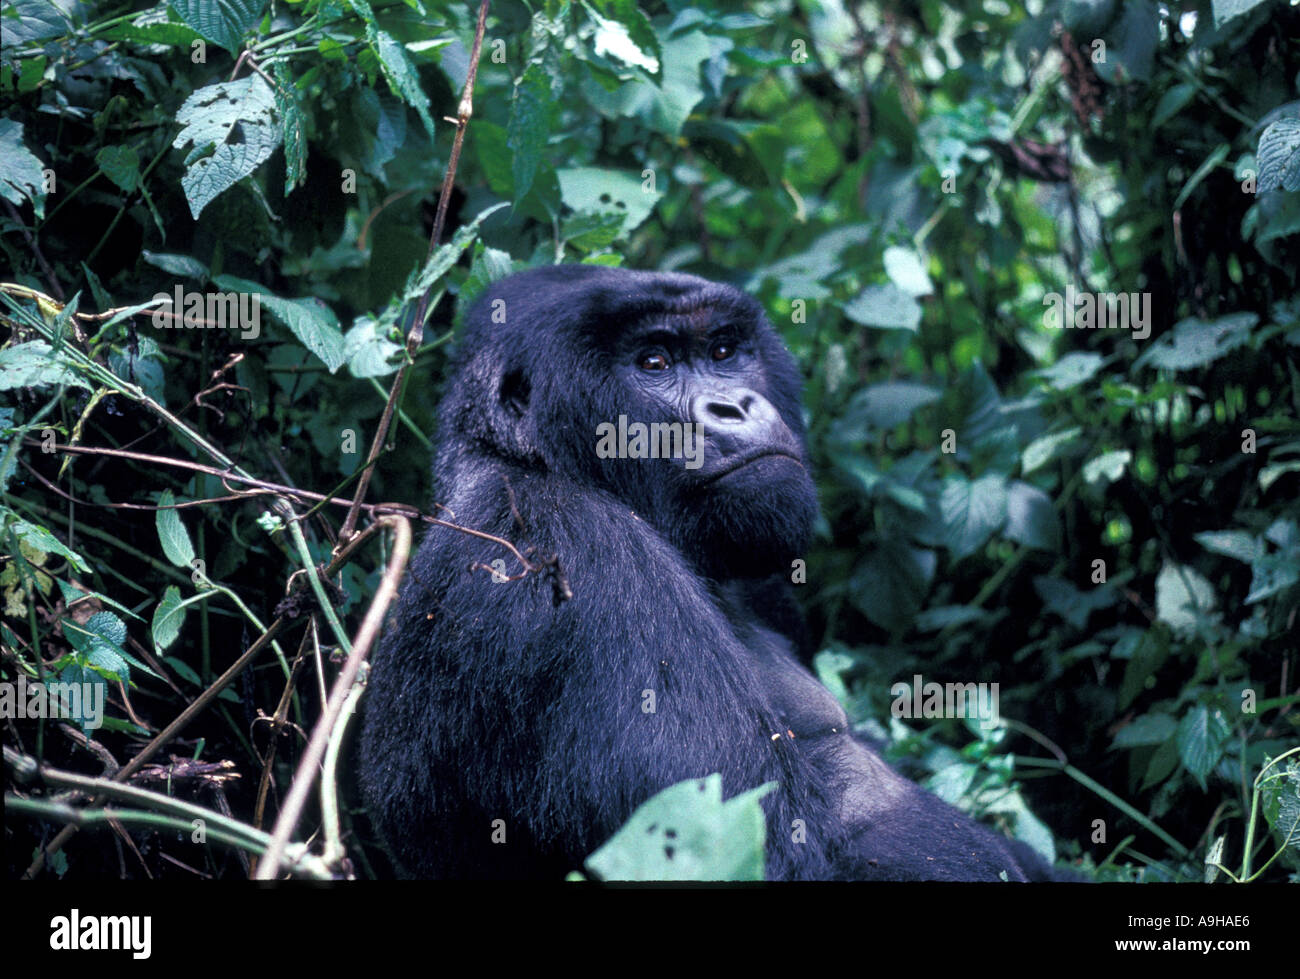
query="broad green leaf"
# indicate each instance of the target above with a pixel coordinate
(308, 319)
(120, 164)
(1031, 518)
(369, 350)
(35, 364)
(1045, 448)
(41, 540)
(890, 584)
(396, 64)
(1194, 342)
(223, 22)
(1149, 729)
(1182, 597)
(168, 618)
(687, 832)
(1202, 734)
(664, 107)
(1225, 10)
(885, 306)
(905, 270)
(21, 176)
(232, 128)
(888, 404)
(446, 255)
(1279, 156)
(593, 190)
(1070, 371)
(530, 124)
(1232, 543)
(972, 511)
(1107, 467)
(172, 533)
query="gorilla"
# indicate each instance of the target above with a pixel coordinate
(523, 697)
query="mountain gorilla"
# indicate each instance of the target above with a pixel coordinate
(650, 651)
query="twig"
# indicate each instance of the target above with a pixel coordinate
(416, 336)
(268, 866)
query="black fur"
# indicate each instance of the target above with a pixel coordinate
(499, 700)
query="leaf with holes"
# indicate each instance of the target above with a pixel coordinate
(687, 832)
(232, 128)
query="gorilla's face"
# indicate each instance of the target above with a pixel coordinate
(669, 391)
(733, 492)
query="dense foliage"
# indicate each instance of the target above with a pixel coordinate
(1104, 522)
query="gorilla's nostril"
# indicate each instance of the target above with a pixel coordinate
(725, 411)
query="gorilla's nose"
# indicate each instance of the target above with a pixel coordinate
(740, 420)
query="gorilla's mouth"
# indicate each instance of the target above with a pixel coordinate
(749, 458)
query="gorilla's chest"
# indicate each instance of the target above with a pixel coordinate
(805, 707)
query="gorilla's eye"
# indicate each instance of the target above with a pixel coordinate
(722, 350)
(654, 362)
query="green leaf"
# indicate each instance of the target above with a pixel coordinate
(530, 124)
(1202, 734)
(183, 266)
(905, 270)
(447, 254)
(1279, 792)
(175, 538)
(665, 107)
(41, 540)
(1279, 156)
(1149, 729)
(369, 350)
(888, 404)
(1073, 369)
(972, 511)
(723, 143)
(686, 832)
(1183, 598)
(100, 642)
(1107, 467)
(168, 618)
(309, 319)
(223, 22)
(1232, 543)
(890, 584)
(291, 128)
(1171, 103)
(1195, 342)
(21, 176)
(593, 190)
(885, 306)
(35, 364)
(1070, 603)
(396, 65)
(1226, 10)
(1045, 448)
(233, 128)
(121, 165)
(1031, 518)
(613, 38)
(1217, 156)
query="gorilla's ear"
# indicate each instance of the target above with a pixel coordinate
(514, 392)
